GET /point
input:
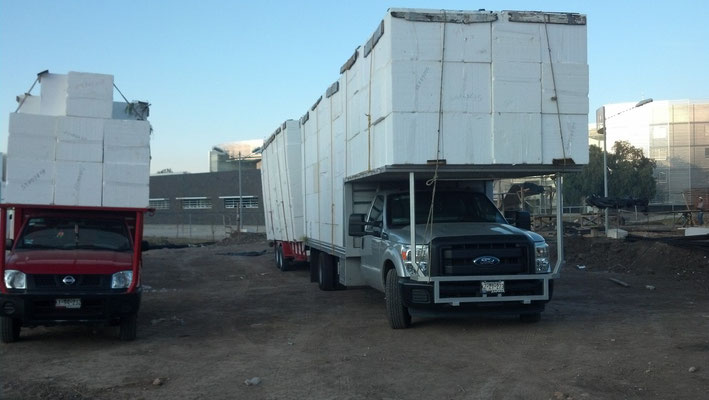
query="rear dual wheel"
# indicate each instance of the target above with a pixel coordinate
(327, 277)
(282, 263)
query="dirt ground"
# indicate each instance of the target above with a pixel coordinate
(211, 320)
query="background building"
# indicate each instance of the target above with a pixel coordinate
(205, 205)
(674, 133)
(228, 156)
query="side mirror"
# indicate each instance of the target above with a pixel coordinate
(9, 243)
(144, 245)
(356, 225)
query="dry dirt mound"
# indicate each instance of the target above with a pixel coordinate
(640, 257)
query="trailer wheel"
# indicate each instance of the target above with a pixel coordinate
(530, 318)
(326, 272)
(277, 255)
(397, 314)
(283, 263)
(9, 329)
(129, 327)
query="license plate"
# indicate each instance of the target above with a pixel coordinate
(493, 287)
(68, 303)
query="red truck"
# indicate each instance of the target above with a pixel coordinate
(70, 265)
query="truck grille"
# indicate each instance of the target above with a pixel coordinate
(456, 256)
(81, 282)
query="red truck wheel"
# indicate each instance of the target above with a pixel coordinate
(129, 327)
(9, 329)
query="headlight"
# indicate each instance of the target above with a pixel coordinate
(541, 253)
(121, 280)
(15, 279)
(421, 259)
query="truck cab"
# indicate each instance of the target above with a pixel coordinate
(467, 257)
(71, 265)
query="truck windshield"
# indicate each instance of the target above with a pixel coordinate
(61, 233)
(447, 207)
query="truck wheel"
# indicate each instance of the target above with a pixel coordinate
(530, 318)
(326, 272)
(277, 255)
(397, 313)
(283, 263)
(129, 327)
(9, 329)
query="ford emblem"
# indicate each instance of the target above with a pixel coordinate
(69, 280)
(486, 260)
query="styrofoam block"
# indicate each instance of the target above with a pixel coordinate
(78, 183)
(381, 146)
(91, 108)
(32, 136)
(516, 87)
(126, 154)
(467, 87)
(29, 181)
(126, 195)
(129, 174)
(381, 87)
(568, 44)
(416, 86)
(53, 94)
(79, 139)
(126, 133)
(466, 139)
(29, 104)
(571, 88)
(415, 40)
(356, 160)
(468, 42)
(415, 136)
(89, 85)
(617, 234)
(517, 138)
(515, 41)
(575, 138)
(122, 111)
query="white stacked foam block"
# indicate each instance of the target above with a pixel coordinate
(29, 181)
(32, 136)
(78, 183)
(72, 146)
(126, 168)
(80, 139)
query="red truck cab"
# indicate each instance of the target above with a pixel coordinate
(70, 265)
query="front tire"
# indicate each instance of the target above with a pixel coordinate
(326, 272)
(397, 314)
(9, 329)
(129, 327)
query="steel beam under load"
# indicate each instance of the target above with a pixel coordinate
(460, 172)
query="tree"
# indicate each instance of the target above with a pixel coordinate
(629, 175)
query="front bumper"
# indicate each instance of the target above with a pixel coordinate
(466, 298)
(41, 309)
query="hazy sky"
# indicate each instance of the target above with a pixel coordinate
(221, 71)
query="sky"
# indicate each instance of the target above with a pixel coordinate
(223, 71)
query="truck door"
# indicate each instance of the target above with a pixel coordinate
(372, 244)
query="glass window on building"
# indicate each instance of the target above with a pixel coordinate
(159, 204)
(246, 201)
(195, 203)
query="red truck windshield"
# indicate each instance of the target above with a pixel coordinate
(64, 233)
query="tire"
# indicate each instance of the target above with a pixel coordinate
(284, 264)
(129, 327)
(279, 256)
(530, 318)
(326, 272)
(9, 329)
(397, 314)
